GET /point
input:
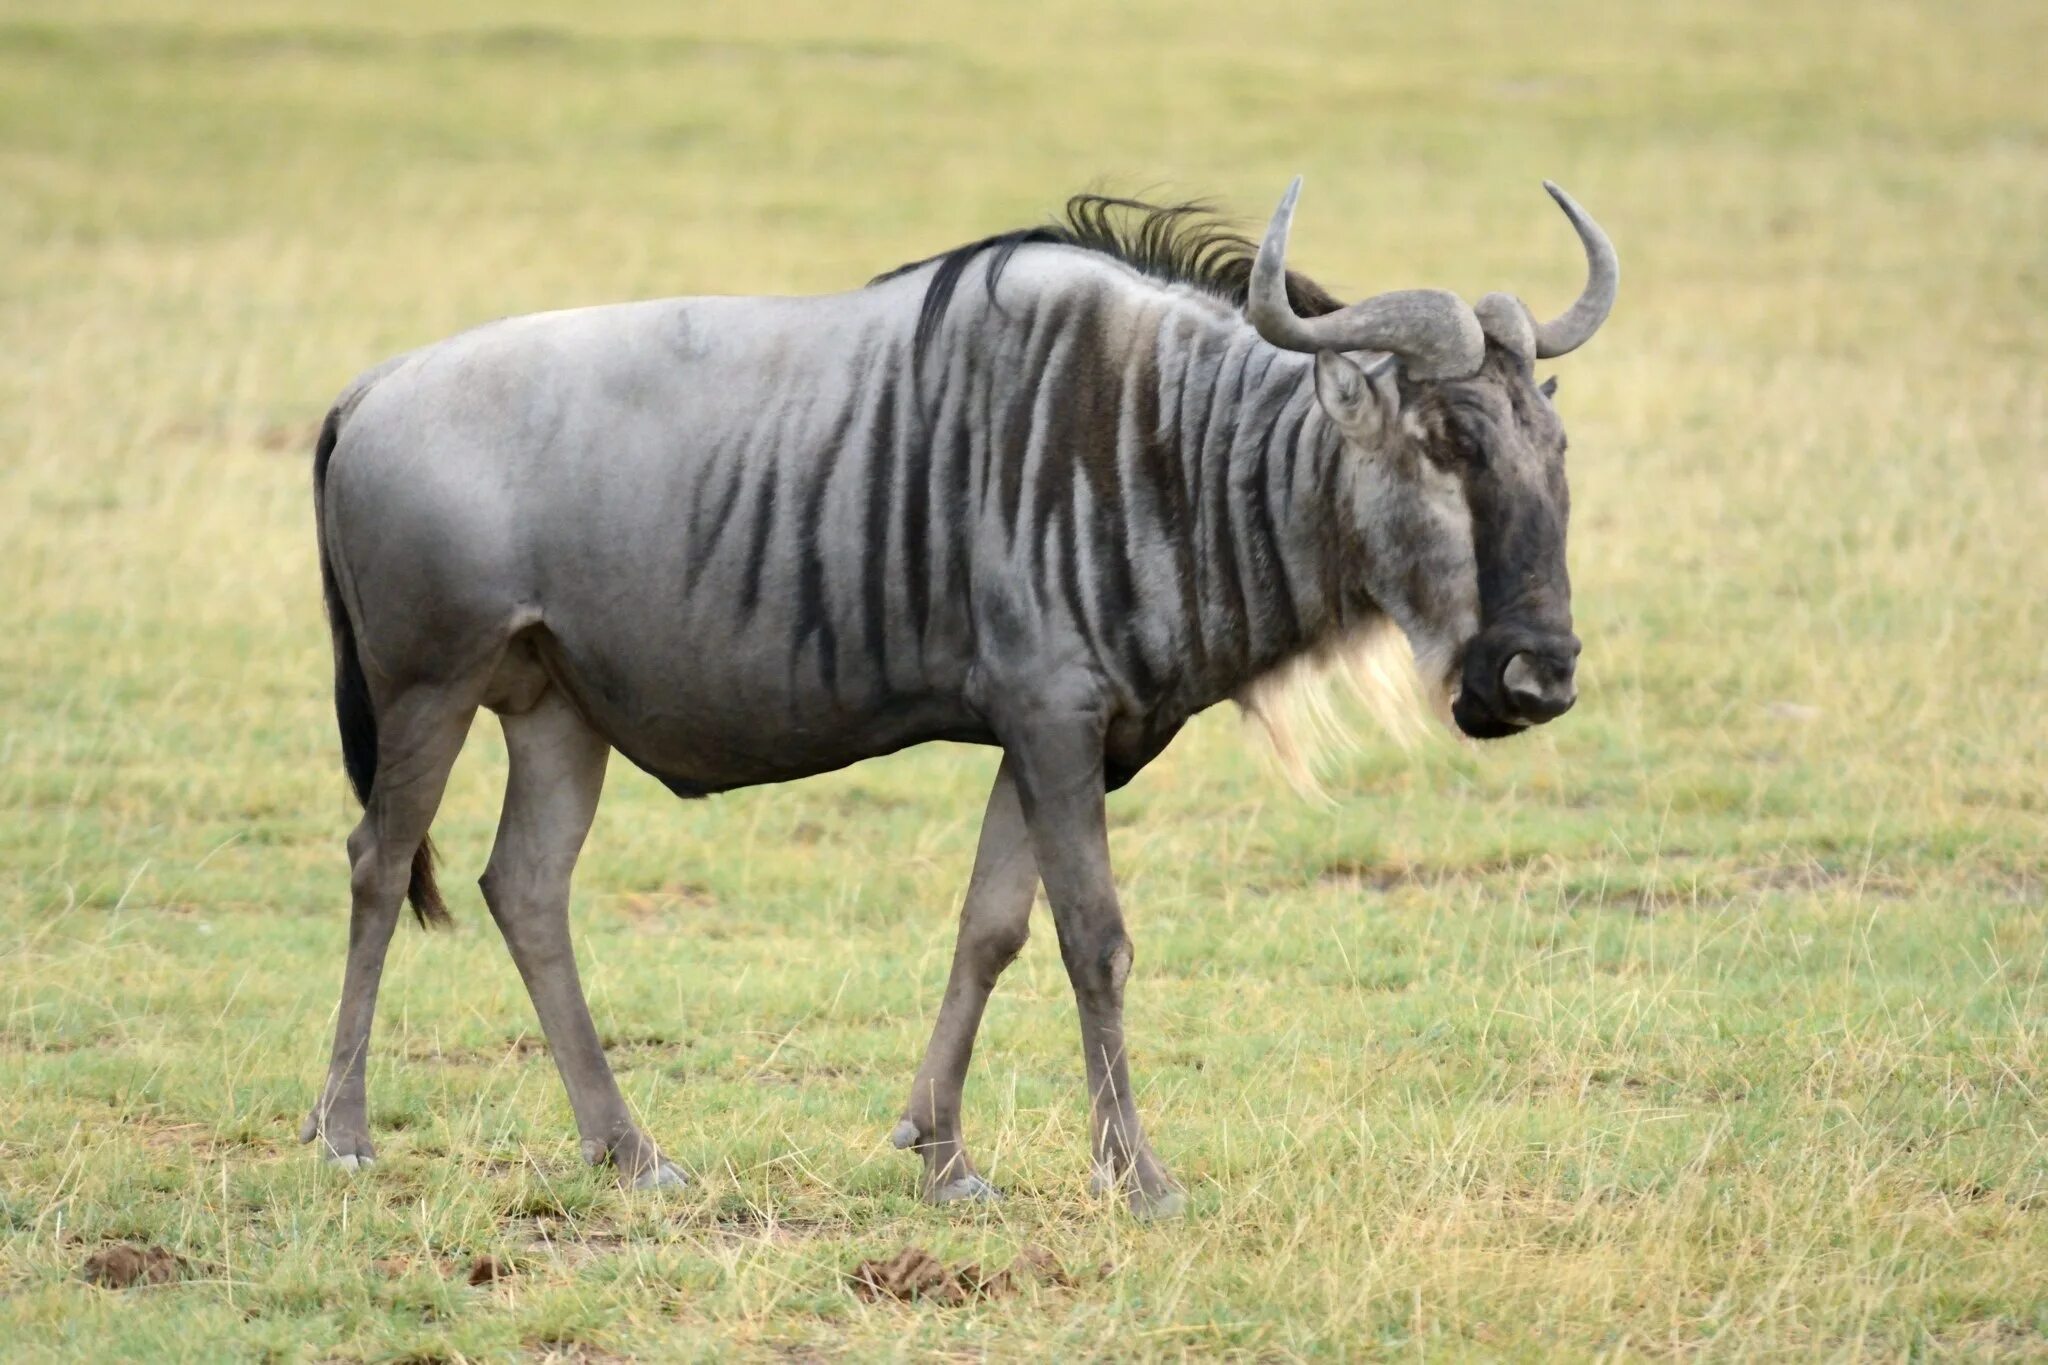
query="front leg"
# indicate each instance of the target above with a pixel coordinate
(995, 920)
(1059, 769)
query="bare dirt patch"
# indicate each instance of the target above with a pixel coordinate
(573, 1244)
(798, 1077)
(1644, 901)
(915, 1275)
(488, 1269)
(1392, 876)
(482, 1270)
(1816, 877)
(654, 908)
(127, 1264)
(170, 1137)
(516, 1049)
(623, 1049)
(46, 1045)
(1673, 884)
(577, 1242)
(573, 1353)
(757, 1225)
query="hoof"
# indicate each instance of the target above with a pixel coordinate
(1145, 1206)
(1153, 1208)
(350, 1152)
(665, 1175)
(961, 1189)
(638, 1164)
(968, 1189)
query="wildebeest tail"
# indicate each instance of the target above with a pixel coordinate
(353, 712)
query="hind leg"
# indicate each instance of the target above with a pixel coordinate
(419, 736)
(558, 765)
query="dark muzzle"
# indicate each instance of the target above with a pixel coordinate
(1515, 677)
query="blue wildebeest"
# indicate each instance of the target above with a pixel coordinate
(1056, 491)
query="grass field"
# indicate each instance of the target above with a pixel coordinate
(1710, 1021)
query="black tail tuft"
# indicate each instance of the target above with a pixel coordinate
(423, 893)
(352, 710)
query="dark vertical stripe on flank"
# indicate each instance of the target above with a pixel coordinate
(1048, 452)
(813, 607)
(1116, 633)
(1171, 455)
(1010, 437)
(1275, 607)
(1219, 549)
(913, 534)
(1116, 591)
(1099, 412)
(878, 467)
(1266, 410)
(1279, 490)
(1320, 486)
(977, 430)
(1198, 383)
(953, 525)
(707, 532)
(763, 525)
(1054, 478)
(813, 611)
(988, 462)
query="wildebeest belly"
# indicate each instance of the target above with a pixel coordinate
(713, 713)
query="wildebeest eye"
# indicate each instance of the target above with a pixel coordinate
(1467, 446)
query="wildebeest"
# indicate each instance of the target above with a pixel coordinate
(1057, 491)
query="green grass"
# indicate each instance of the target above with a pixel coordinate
(1709, 1021)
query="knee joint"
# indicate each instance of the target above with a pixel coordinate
(503, 895)
(509, 883)
(1117, 960)
(1101, 964)
(372, 879)
(1007, 942)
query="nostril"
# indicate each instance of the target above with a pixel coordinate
(1537, 686)
(1523, 677)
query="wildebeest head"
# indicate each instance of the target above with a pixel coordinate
(1455, 472)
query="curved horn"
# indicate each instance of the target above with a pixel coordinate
(1575, 326)
(1434, 333)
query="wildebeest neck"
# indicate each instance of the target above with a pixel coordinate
(1164, 479)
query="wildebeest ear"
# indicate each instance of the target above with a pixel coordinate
(1549, 387)
(1354, 395)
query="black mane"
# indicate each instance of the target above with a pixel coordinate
(1183, 243)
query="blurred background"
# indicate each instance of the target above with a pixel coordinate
(1708, 1018)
